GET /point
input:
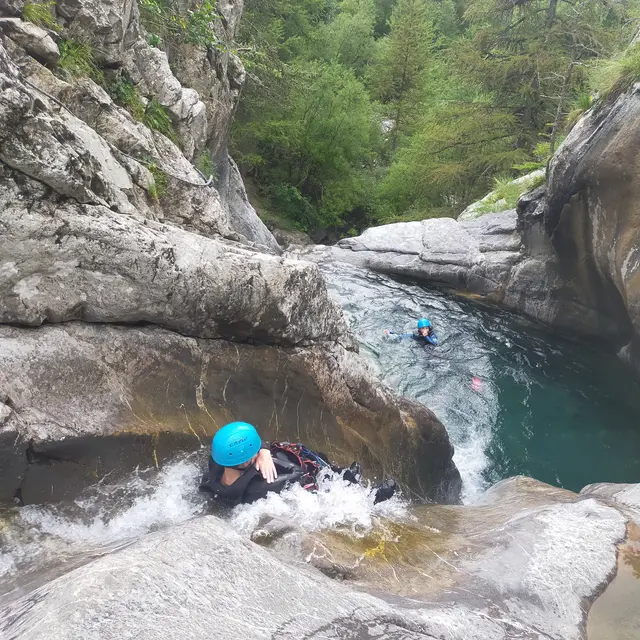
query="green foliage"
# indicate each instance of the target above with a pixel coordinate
(171, 21)
(507, 192)
(40, 14)
(313, 144)
(365, 111)
(398, 76)
(157, 117)
(77, 59)
(205, 164)
(126, 95)
(614, 76)
(160, 181)
(580, 106)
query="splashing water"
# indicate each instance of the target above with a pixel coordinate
(36, 537)
(336, 505)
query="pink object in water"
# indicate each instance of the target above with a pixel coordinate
(476, 383)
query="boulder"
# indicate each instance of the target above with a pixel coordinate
(243, 218)
(475, 255)
(34, 40)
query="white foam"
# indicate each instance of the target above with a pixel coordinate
(170, 501)
(337, 504)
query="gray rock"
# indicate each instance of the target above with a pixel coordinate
(475, 255)
(68, 381)
(34, 40)
(242, 216)
(68, 261)
(526, 563)
(11, 7)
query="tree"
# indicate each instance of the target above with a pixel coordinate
(398, 75)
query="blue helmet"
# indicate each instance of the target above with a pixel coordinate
(423, 322)
(234, 444)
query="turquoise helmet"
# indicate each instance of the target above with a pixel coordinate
(423, 322)
(234, 444)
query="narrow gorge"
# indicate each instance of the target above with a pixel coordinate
(144, 304)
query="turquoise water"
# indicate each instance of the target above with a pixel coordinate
(564, 412)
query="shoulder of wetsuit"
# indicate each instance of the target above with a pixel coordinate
(232, 494)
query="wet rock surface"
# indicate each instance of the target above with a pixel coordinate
(526, 562)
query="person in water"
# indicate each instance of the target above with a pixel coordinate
(424, 334)
(243, 468)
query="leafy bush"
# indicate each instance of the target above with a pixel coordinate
(77, 59)
(160, 182)
(156, 117)
(127, 96)
(169, 19)
(40, 14)
(205, 165)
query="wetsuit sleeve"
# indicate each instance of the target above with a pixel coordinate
(399, 336)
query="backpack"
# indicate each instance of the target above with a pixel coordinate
(309, 461)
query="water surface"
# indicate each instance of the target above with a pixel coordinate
(564, 412)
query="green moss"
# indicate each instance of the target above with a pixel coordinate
(205, 165)
(160, 181)
(126, 95)
(157, 117)
(40, 14)
(77, 59)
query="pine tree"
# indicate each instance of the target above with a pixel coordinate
(398, 75)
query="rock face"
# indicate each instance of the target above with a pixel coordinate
(591, 217)
(87, 238)
(202, 122)
(529, 562)
(476, 254)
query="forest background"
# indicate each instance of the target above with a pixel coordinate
(363, 112)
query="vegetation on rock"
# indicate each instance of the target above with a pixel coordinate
(40, 14)
(77, 59)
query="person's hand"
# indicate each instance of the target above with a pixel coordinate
(264, 464)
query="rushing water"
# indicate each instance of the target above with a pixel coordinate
(566, 413)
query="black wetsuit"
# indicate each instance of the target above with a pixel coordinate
(251, 486)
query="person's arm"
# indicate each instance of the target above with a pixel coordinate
(397, 336)
(264, 464)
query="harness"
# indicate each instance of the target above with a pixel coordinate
(309, 461)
